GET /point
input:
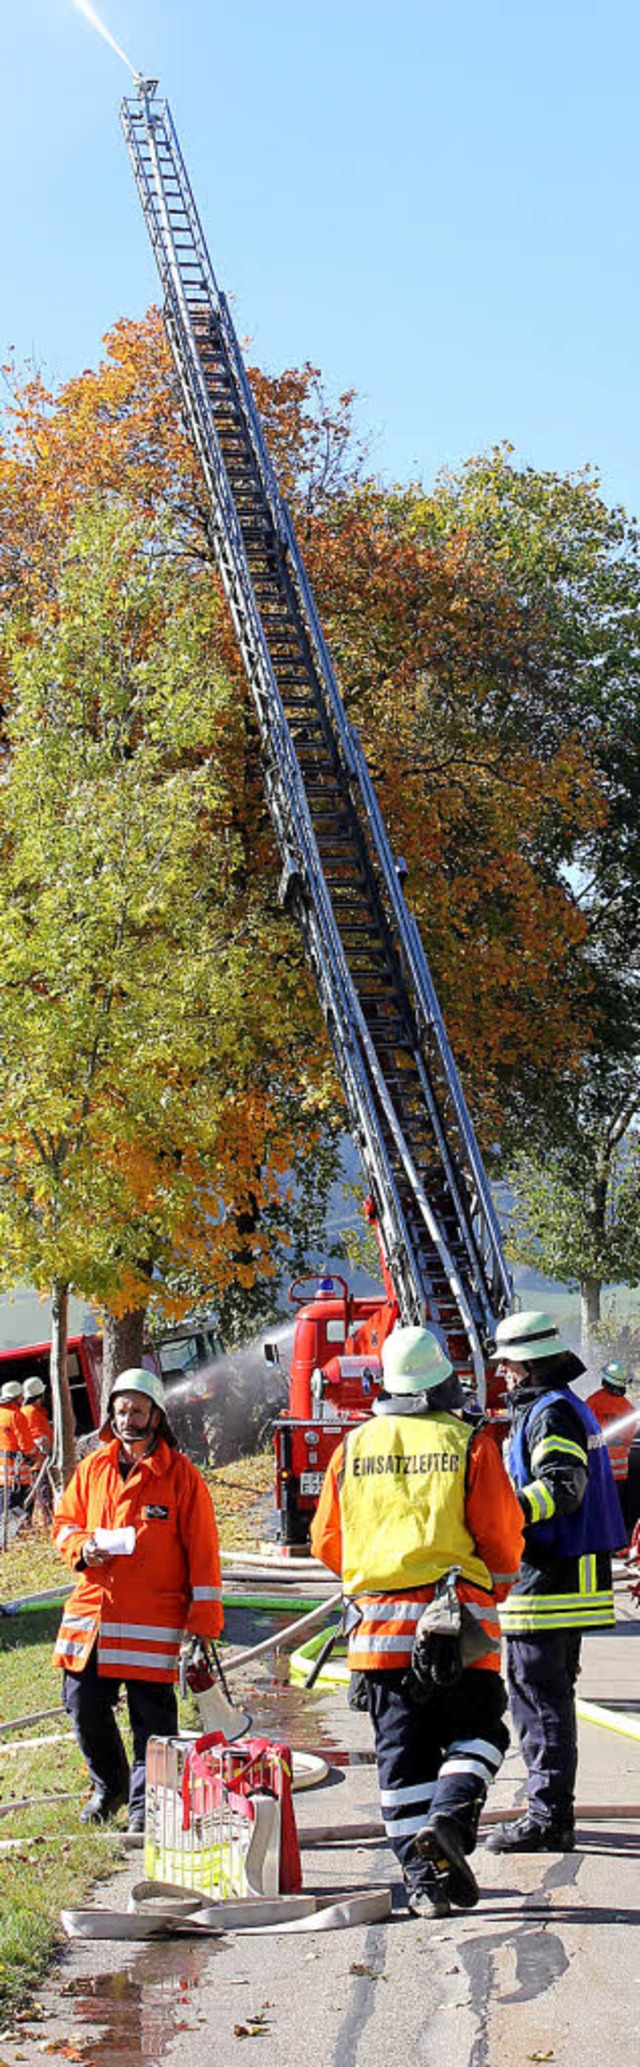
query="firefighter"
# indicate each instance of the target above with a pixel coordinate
(41, 1436)
(36, 1416)
(9, 1444)
(613, 1403)
(414, 1494)
(562, 1474)
(128, 1614)
(16, 1445)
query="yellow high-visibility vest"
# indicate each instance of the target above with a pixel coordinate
(402, 1504)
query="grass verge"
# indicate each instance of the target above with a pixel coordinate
(47, 1861)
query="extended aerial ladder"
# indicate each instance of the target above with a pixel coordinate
(407, 1112)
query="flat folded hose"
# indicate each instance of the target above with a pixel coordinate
(159, 1910)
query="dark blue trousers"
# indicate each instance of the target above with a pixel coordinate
(435, 1760)
(541, 1675)
(90, 1702)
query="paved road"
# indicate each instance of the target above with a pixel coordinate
(546, 1969)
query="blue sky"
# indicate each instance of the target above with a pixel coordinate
(436, 204)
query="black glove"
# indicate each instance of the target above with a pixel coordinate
(446, 1662)
(435, 1662)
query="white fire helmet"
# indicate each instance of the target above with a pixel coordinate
(523, 1337)
(147, 1383)
(414, 1360)
(33, 1389)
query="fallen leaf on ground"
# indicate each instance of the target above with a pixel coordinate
(255, 2027)
(66, 2048)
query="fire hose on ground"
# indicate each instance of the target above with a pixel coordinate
(596, 1713)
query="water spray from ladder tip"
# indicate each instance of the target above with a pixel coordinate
(96, 23)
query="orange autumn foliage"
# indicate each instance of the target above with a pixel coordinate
(440, 668)
(444, 675)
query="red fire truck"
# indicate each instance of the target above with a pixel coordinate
(84, 1367)
(181, 1351)
(334, 1378)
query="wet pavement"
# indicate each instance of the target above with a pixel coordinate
(546, 1969)
(130, 2017)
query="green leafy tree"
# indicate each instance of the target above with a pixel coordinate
(574, 566)
(150, 997)
(577, 1214)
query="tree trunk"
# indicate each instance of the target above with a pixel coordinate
(123, 1343)
(590, 1290)
(64, 1427)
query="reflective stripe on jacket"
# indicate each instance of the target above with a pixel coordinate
(384, 1635)
(565, 1577)
(16, 1440)
(589, 1605)
(405, 1498)
(139, 1607)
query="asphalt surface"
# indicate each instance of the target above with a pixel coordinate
(546, 1969)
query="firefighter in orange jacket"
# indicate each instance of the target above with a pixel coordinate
(35, 1414)
(613, 1403)
(9, 1446)
(412, 1495)
(15, 1444)
(129, 1613)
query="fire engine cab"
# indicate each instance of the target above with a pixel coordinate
(335, 1376)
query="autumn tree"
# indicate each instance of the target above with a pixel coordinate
(150, 1012)
(444, 661)
(443, 670)
(574, 565)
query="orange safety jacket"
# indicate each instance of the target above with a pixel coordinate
(435, 1517)
(9, 1447)
(38, 1422)
(615, 1406)
(139, 1607)
(16, 1440)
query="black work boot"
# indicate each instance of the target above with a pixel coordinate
(428, 1892)
(102, 1805)
(527, 1835)
(442, 1842)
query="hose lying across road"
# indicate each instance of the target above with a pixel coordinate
(589, 1711)
(158, 1910)
(609, 1719)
